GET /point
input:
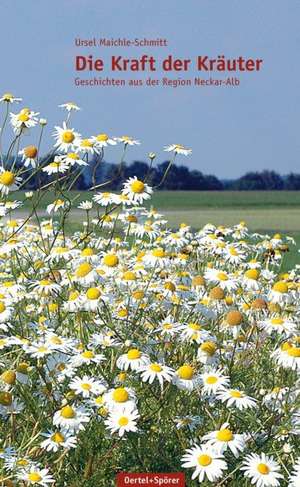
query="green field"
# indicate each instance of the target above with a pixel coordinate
(263, 211)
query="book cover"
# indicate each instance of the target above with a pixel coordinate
(149, 243)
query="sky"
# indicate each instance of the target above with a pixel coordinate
(230, 130)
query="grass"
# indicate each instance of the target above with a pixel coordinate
(263, 211)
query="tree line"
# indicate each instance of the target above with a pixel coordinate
(179, 177)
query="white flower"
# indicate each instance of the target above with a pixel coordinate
(157, 371)
(23, 120)
(137, 191)
(71, 418)
(185, 378)
(58, 439)
(66, 138)
(122, 420)
(86, 386)
(206, 462)
(103, 140)
(262, 470)
(9, 181)
(214, 380)
(85, 205)
(234, 397)
(134, 359)
(224, 439)
(295, 475)
(9, 98)
(70, 106)
(36, 476)
(126, 140)
(178, 149)
(57, 166)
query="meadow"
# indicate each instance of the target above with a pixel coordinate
(263, 211)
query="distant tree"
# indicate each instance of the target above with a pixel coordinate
(273, 181)
(292, 182)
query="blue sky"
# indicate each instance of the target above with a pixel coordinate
(231, 130)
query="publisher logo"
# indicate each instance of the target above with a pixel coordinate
(174, 479)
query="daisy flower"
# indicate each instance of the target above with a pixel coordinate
(71, 418)
(224, 439)
(55, 206)
(74, 159)
(85, 205)
(205, 461)
(288, 356)
(280, 293)
(214, 380)
(66, 138)
(86, 386)
(157, 371)
(119, 397)
(70, 106)
(134, 359)
(36, 476)
(9, 98)
(103, 140)
(207, 353)
(87, 146)
(262, 470)
(279, 325)
(104, 199)
(9, 181)
(178, 149)
(29, 155)
(58, 439)
(55, 167)
(126, 140)
(185, 378)
(123, 420)
(23, 120)
(136, 190)
(236, 398)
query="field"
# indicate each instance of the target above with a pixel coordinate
(264, 212)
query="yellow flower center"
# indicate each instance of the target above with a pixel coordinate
(67, 412)
(45, 282)
(236, 394)
(7, 178)
(293, 352)
(23, 117)
(58, 437)
(263, 468)
(73, 155)
(34, 477)
(73, 295)
(194, 326)
(129, 276)
(158, 253)
(93, 293)
(123, 421)
(2, 307)
(120, 395)
(8, 97)
(87, 252)
(88, 354)
(83, 270)
(155, 367)
(277, 321)
(208, 347)
(67, 136)
(111, 260)
(30, 151)
(204, 460)
(137, 186)
(5, 398)
(211, 379)
(86, 143)
(133, 354)
(234, 318)
(224, 435)
(252, 274)
(102, 137)
(86, 387)
(222, 276)
(185, 372)
(280, 287)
